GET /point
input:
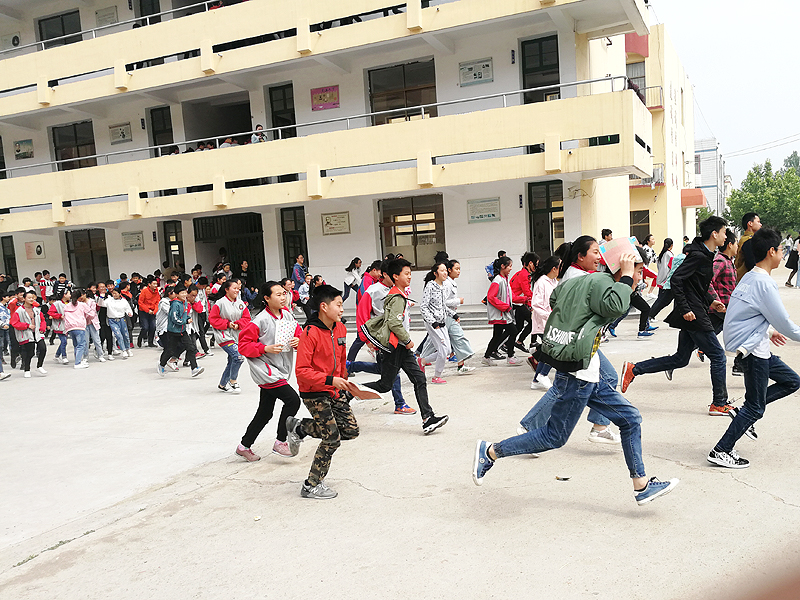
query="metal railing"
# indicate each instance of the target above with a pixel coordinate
(656, 179)
(279, 133)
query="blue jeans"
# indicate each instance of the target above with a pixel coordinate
(62, 345)
(235, 361)
(375, 369)
(120, 330)
(5, 340)
(147, 323)
(571, 396)
(540, 413)
(94, 334)
(688, 340)
(758, 393)
(78, 337)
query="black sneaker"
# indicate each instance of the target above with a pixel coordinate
(433, 423)
(751, 431)
(701, 356)
(668, 373)
(731, 459)
(497, 356)
(737, 369)
(521, 347)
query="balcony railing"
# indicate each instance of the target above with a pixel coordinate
(656, 179)
(587, 87)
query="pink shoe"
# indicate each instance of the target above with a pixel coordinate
(247, 454)
(421, 364)
(438, 380)
(281, 449)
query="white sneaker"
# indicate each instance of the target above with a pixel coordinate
(124, 355)
(83, 365)
(85, 360)
(27, 374)
(235, 387)
(57, 360)
(541, 383)
(41, 370)
(488, 362)
(101, 358)
(64, 360)
(604, 437)
(130, 353)
(116, 352)
(4, 376)
(515, 361)
(465, 370)
(521, 430)
(109, 357)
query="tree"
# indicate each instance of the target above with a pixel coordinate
(775, 196)
(792, 162)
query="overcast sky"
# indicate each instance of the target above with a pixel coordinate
(743, 59)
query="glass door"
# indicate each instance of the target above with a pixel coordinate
(546, 214)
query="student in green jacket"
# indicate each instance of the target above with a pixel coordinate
(581, 307)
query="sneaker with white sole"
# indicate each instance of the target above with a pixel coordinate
(64, 360)
(515, 361)
(542, 382)
(655, 489)
(171, 365)
(731, 459)
(293, 439)
(487, 361)
(197, 371)
(4, 376)
(247, 454)
(101, 358)
(57, 360)
(41, 370)
(751, 431)
(225, 388)
(160, 369)
(481, 463)
(109, 357)
(465, 370)
(281, 449)
(28, 373)
(82, 365)
(433, 423)
(318, 492)
(235, 387)
(604, 437)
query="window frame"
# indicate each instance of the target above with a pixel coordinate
(77, 160)
(643, 224)
(546, 71)
(404, 112)
(439, 225)
(74, 36)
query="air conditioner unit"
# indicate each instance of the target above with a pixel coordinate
(12, 40)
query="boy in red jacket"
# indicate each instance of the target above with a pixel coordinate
(322, 377)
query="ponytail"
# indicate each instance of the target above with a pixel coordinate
(547, 265)
(499, 263)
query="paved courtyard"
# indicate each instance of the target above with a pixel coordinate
(117, 483)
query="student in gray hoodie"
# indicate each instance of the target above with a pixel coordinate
(755, 306)
(269, 342)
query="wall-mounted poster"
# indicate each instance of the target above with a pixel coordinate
(119, 134)
(325, 97)
(132, 240)
(34, 250)
(483, 211)
(106, 16)
(476, 71)
(23, 149)
(335, 223)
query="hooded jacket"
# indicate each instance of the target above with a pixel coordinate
(321, 356)
(581, 307)
(690, 283)
(267, 370)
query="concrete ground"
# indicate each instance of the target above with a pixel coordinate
(117, 483)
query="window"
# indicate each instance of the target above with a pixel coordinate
(3, 174)
(74, 141)
(697, 164)
(640, 224)
(173, 243)
(540, 68)
(635, 72)
(9, 258)
(281, 103)
(546, 214)
(88, 256)
(413, 227)
(149, 7)
(293, 226)
(402, 87)
(58, 27)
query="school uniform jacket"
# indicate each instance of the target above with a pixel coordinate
(223, 313)
(498, 301)
(321, 356)
(21, 321)
(267, 370)
(56, 313)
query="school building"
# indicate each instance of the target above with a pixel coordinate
(459, 125)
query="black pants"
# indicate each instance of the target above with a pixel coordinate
(266, 407)
(188, 344)
(523, 322)
(644, 309)
(15, 349)
(402, 359)
(28, 350)
(175, 344)
(663, 300)
(500, 335)
(202, 327)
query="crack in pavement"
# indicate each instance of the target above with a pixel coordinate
(770, 494)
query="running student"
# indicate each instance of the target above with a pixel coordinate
(664, 264)
(545, 280)
(522, 286)
(755, 306)
(580, 310)
(56, 311)
(29, 327)
(75, 315)
(498, 307)
(268, 342)
(434, 314)
(93, 324)
(177, 339)
(691, 315)
(322, 378)
(229, 315)
(389, 333)
(116, 310)
(459, 343)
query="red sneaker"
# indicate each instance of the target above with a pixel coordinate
(722, 411)
(405, 410)
(421, 364)
(627, 375)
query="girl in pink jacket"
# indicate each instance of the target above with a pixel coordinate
(76, 313)
(545, 280)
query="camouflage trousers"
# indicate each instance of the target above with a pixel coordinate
(332, 421)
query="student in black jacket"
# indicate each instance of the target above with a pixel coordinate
(690, 314)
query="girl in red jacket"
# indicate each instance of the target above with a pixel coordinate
(29, 327)
(498, 306)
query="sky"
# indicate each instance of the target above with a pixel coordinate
(743, 59)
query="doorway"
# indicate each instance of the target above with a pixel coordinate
(293, 227)
(173, 244)
(218, 118)
(546, 214)
(88, 256)
(540, 68)
(241, 235)
(9, 258)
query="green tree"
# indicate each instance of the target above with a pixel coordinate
(775, 196)
(792, 162)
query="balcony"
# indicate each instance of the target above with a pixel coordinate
(611, 139)
(202, 46)
(657, 178)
